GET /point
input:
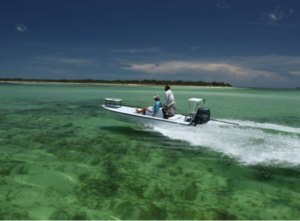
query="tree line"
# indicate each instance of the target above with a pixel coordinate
(141, 82)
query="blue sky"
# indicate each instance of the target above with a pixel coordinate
(247, 43)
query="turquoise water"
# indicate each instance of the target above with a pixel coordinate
(62, 157)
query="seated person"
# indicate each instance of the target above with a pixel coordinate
(154, 109)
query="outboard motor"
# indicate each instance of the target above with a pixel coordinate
(202, 116)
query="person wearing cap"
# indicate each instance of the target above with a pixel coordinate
(169, 102)
(154, 109)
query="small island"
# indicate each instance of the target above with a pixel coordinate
(119, 82)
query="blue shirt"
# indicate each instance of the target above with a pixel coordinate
(156, 107)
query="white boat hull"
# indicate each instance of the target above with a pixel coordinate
(202, 116)
(125, 113)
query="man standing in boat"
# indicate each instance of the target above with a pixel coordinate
(169, 102)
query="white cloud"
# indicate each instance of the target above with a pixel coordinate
(176, 67)
(223, 5)
(280, 63)
(146, 50)
(53, 71)
(278, 14)
(64, 60)
(195, 47)
(297, 73)
(21, 28)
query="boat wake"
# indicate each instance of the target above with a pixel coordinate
(250, 143)
(275, 127)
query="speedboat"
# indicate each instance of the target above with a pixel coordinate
(197, 114)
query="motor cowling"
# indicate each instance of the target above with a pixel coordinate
(202, 116)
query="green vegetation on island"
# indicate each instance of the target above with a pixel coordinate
(137, 82)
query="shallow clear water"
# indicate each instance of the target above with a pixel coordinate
(63, 157)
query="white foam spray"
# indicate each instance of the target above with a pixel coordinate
(265, 126)
(248, 143)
